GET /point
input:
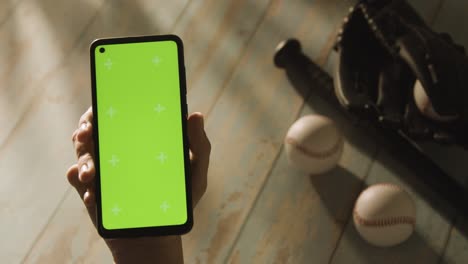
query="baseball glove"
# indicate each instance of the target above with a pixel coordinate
(384, 47)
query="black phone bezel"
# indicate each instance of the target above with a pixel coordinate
(142, 231)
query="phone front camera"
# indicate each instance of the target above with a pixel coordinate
(102, 50)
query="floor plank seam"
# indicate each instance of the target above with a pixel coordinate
(11, 12)
(436, 14)
(350, 213)
(54, 213)
(230, 75)
(268, 174)
(179, 17)
(88, 25)
(260, 191)
(218, 95)
(34, 99)
(447, 239)
(304, 103)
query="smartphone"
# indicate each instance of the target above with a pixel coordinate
(141, 158)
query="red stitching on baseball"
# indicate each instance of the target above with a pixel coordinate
(388, 185)
(312, 154)
(384, 222)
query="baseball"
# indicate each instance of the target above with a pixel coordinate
(314, 144)
(425, 106)
(384, 215)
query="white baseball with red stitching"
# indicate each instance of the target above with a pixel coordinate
(314, 144)
(384, 215)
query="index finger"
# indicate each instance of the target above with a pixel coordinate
(86, 117)
(82, 137)
(85, 120)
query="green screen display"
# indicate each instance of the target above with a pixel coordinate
(141, 148)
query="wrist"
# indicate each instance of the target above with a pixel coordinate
(165, 249)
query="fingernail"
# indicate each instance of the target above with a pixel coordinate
(84, 126)
(86, 198)
(84, 167)
(86, 195)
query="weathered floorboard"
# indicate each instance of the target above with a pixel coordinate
(299, 218)
(35, 40)
(248, 123)
(53, 116)
(194, 18)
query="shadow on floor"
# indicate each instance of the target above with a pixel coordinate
(339, 200)
(440, 190)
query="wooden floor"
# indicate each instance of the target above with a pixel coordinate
(257, 209)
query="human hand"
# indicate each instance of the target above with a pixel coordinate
(81, 176)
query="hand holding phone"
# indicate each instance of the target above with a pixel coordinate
(152, 248)
(139, 129)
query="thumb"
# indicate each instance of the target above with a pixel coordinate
(200, 148)
(198, 141)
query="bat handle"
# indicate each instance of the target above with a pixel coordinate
(286, 52)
